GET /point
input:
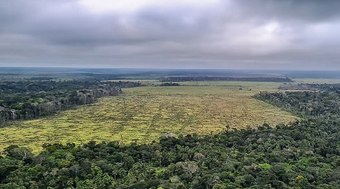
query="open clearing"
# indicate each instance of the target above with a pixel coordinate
(143, 114)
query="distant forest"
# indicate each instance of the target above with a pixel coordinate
(221, 78)
(318, 100)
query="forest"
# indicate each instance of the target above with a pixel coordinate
(320, 100)
(303, 154)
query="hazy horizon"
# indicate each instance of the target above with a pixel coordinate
(169, 68)
(161, 34)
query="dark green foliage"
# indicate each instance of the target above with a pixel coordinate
(324, 103)
(264, 158)
(31, 99)
(169, 84)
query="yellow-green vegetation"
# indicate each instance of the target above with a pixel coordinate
(143, 114)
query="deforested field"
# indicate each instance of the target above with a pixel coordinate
(143, 114)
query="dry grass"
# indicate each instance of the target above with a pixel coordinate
(143, 114)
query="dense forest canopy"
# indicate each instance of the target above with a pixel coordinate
(320, 100)
(302, 155)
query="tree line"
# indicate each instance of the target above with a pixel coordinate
(301, 155)
(321, 101)
(32, 99)
(221, 78)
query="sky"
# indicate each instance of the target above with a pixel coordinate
(226, 34)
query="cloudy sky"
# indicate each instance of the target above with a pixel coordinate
(232, 34)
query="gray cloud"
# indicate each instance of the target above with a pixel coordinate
(292, 10)
(256, 34)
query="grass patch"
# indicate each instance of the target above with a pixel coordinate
(143, 114)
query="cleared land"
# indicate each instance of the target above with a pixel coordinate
(143, 114)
